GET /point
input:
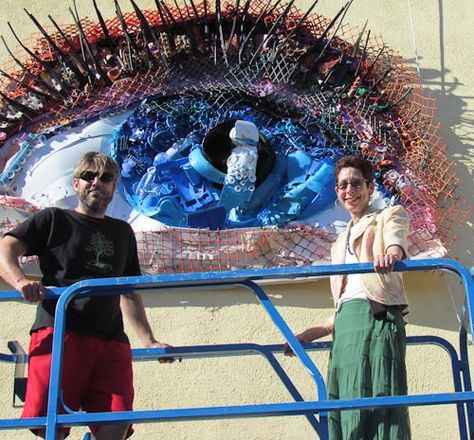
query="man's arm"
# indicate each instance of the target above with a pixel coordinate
(134, 310)
(10, 250)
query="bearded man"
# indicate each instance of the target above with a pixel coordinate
(74, 245)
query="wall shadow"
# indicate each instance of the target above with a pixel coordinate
(423, 289)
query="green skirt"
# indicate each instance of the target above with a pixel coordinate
(368, 360)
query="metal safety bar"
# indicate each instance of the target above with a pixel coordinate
(463, 396)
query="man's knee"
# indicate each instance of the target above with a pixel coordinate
(112, 432)
(42, 434)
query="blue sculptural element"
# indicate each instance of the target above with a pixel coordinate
(241, 176)
(310, 189)
(232, 175)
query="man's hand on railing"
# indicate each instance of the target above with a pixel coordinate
(162, 345)
(31, 291)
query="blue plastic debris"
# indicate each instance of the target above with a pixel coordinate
(168, 177)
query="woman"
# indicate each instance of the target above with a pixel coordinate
(368, 352)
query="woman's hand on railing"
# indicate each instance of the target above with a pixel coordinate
(287, 351)
(384, 263)
(309, 335)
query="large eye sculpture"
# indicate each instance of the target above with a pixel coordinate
(226, 121)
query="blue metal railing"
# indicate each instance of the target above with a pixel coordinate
(462, 395)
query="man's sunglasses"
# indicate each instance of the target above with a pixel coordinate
(89, 176)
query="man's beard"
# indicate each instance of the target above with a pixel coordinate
(94, 205)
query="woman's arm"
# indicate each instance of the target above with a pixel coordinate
(311, 334)
(395, 237)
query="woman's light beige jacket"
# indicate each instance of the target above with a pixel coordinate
(372, 235)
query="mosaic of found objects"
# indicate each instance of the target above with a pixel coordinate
(227, 120)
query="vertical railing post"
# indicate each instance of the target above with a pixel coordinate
(297, 348)
(57, 362)
(466, 374)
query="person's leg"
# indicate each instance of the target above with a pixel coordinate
(39, 366)
(110, 387)
(112, 432)
(389, 376)
(347, 372)
(59, 436)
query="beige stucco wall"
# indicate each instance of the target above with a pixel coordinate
(445, 47)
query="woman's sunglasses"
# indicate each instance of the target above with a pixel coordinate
(356, 184)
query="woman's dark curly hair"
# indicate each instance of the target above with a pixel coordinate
(358, 162)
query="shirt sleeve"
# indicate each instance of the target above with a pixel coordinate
(396, 227)
(34, 232)
(133, 264)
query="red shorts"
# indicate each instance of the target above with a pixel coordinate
(97, 375)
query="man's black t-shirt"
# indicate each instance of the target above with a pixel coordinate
(73, 247)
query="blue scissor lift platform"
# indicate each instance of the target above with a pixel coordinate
(314, 410)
